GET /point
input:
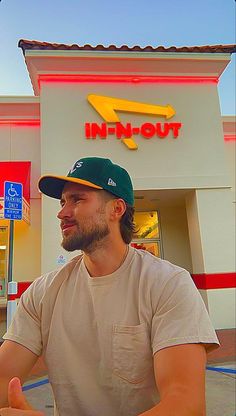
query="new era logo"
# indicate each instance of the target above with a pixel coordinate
(111, 182)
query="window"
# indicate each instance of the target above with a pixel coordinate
(147, 236)
(3, 260)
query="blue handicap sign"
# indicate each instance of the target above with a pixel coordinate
(13, 200)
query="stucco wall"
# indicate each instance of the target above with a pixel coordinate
(176, 248)
(180, 162)
(158, 163)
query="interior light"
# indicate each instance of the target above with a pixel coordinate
(3, 247)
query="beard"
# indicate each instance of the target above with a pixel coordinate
(86, 238)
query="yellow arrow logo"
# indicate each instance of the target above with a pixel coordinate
(107, 107)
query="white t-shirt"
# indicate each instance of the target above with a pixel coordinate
(98, 335)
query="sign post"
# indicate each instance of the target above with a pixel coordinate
(13, 207)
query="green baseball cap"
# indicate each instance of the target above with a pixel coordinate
(95, 172)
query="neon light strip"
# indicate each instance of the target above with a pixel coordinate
(230, 137)
(215, 280)
(135, 79)
(21, 122)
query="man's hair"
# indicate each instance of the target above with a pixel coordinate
(127, 226)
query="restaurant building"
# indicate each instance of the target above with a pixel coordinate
(156, 112)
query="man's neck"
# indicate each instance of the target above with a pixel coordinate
(106, 259)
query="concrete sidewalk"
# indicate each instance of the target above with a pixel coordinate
(220, 392)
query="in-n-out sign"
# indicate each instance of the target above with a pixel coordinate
(107, 107)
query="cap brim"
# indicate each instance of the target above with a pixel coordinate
(52, 186)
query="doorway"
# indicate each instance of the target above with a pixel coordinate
(148, 233)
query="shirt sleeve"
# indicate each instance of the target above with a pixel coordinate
(181, 316)
(25, 328)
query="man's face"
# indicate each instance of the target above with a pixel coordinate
(83, 218)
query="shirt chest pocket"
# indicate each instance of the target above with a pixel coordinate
(132, 356)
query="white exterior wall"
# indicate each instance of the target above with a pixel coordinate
(175, 240)
(65, 109)
(230, 154)
(211, 229)
(157, 163)
(221, 306)
(212, 239)
(216, 214)
(194, 233)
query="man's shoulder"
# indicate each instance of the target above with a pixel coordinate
(153, 263)
(53, 279)
(155, 272)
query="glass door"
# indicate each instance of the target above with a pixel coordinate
(147, 236)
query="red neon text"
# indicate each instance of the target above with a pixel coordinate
(121, 131)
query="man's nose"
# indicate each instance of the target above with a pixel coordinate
(65, 212)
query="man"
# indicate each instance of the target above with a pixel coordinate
(123, 333)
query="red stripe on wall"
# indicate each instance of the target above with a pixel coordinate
(230, 137)
(21, 288)
(202, 281)
(215, 280)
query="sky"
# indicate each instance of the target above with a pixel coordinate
(129, 22)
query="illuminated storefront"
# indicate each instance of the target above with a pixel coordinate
(155, 111)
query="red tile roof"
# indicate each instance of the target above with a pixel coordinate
(36, 45)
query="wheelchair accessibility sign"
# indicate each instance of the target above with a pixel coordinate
(13, 200)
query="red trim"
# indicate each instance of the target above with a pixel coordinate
(215, 280)
(21, 122)
(21, 288)
(202, 281)
(16, 172)
(230, 137)
(126, 78)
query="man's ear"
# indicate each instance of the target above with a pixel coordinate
(118, 208)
